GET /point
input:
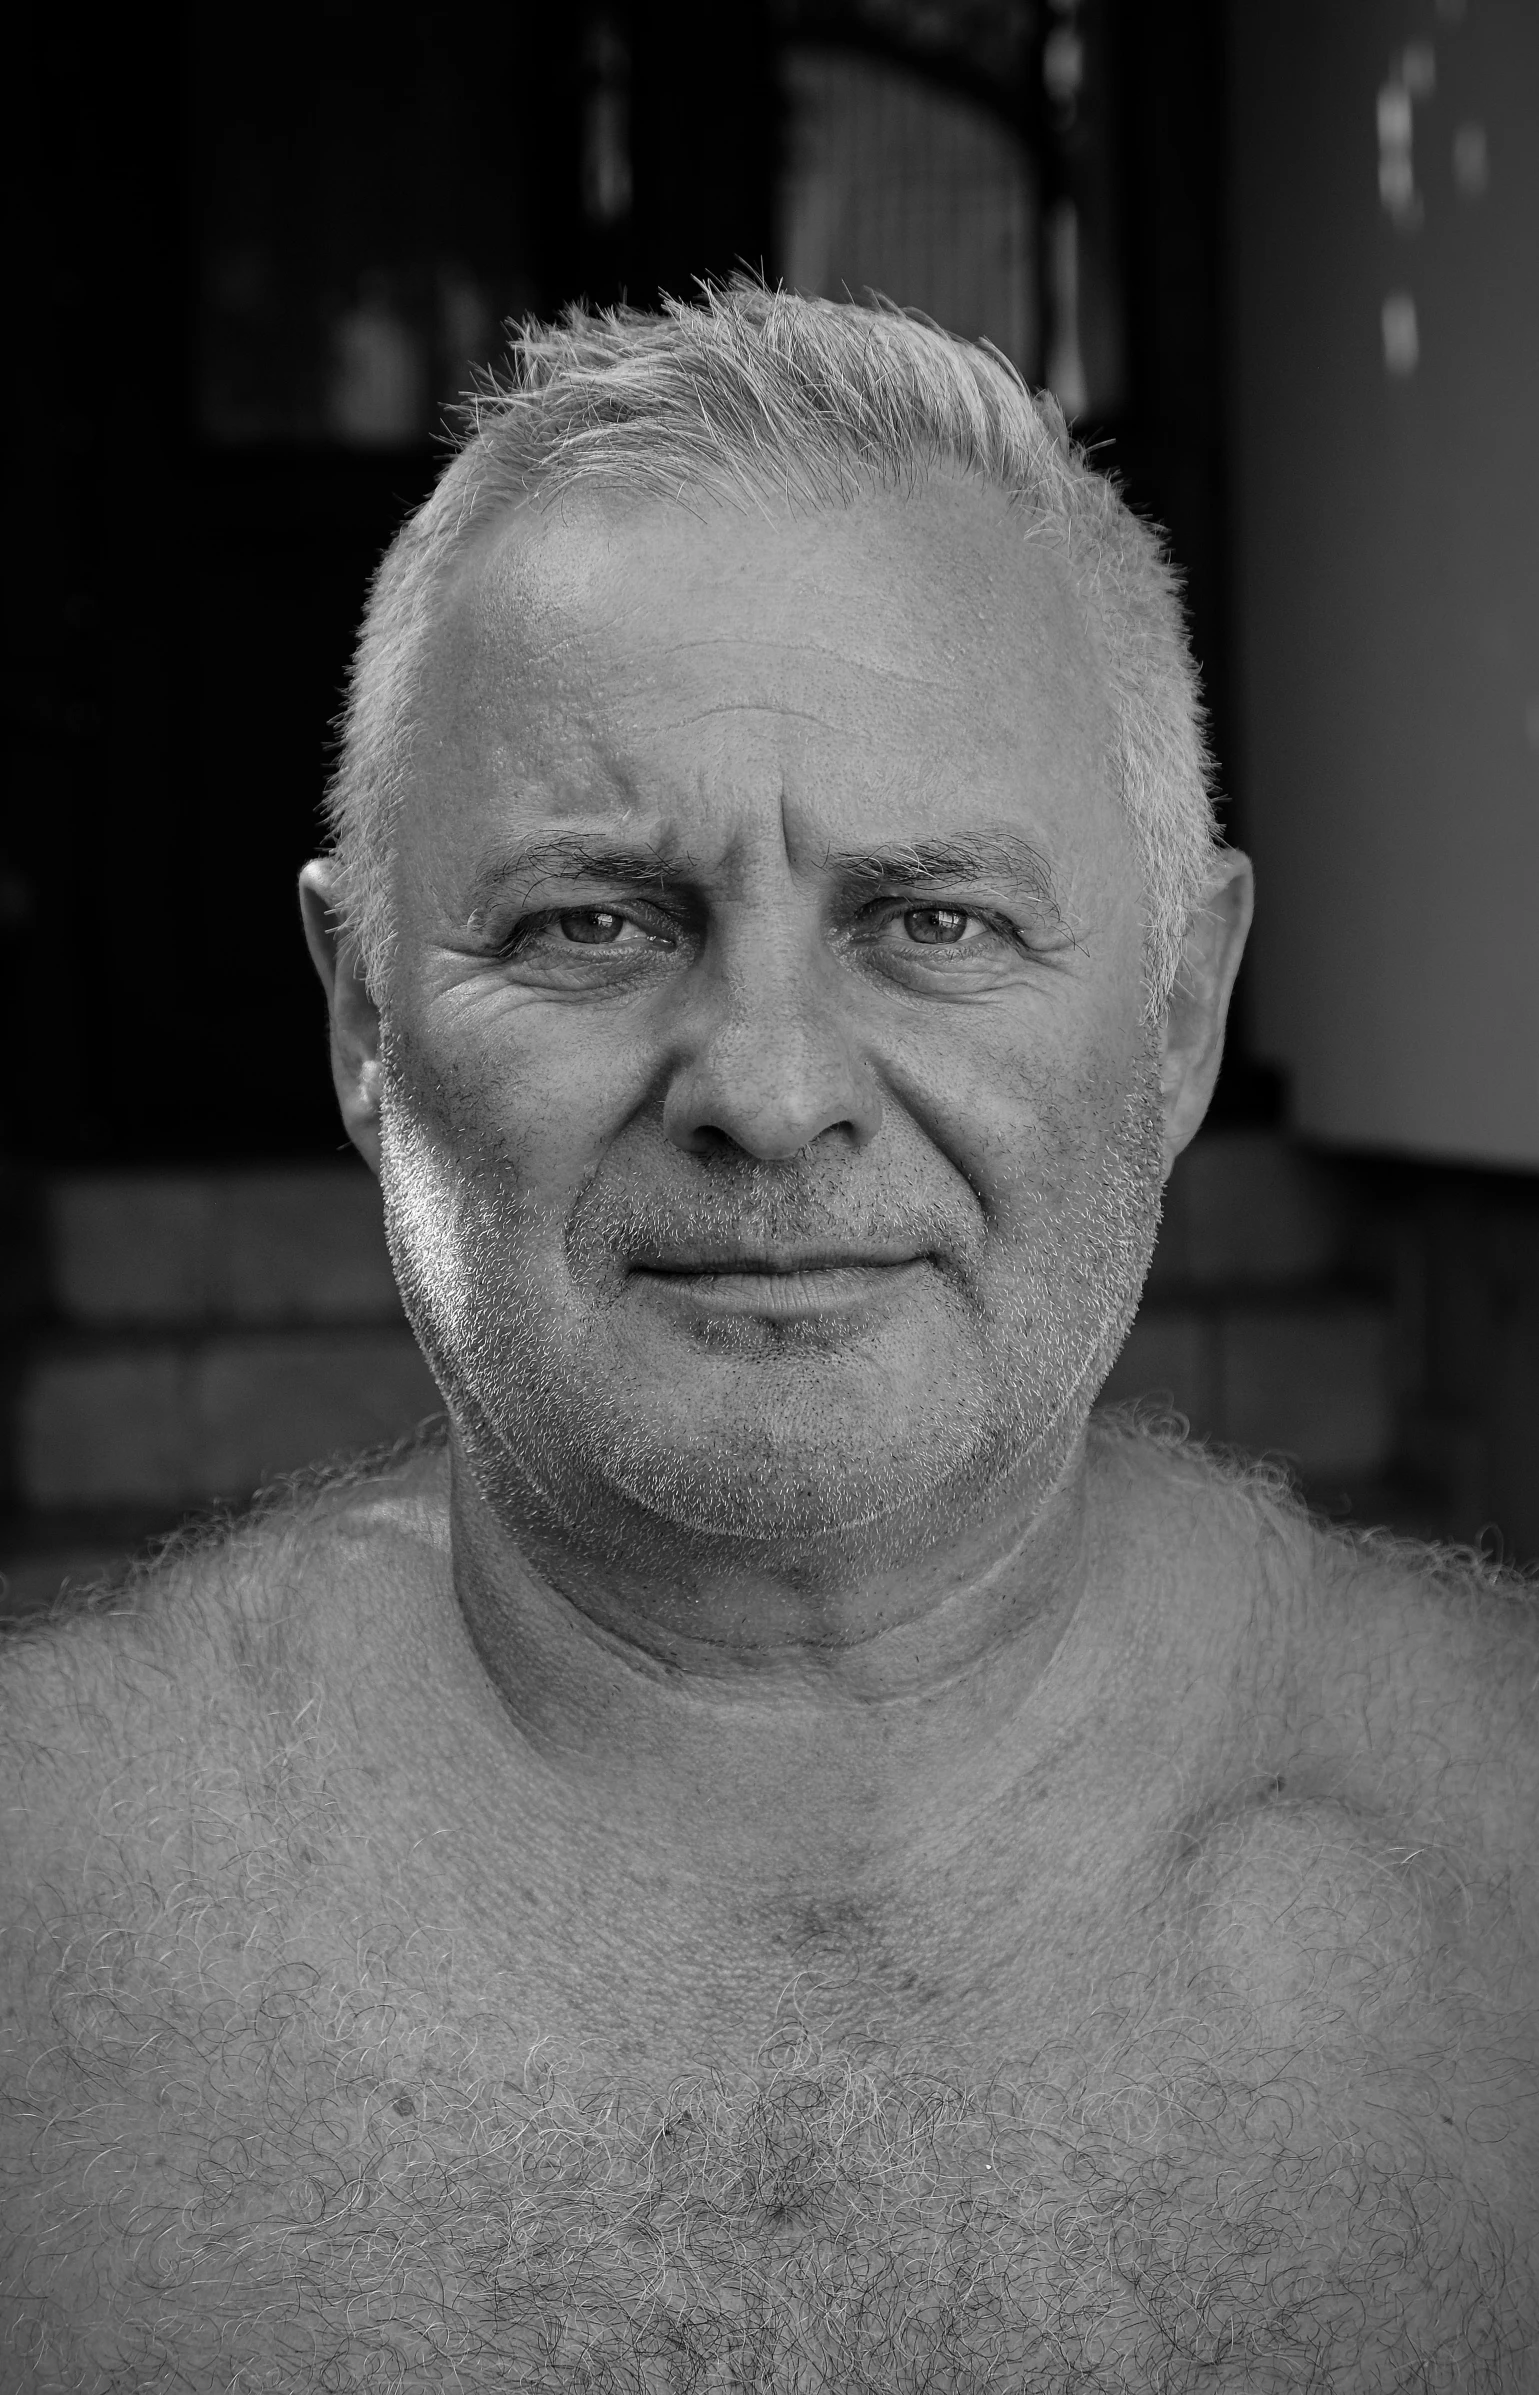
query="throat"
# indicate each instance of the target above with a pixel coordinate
(568, 1618)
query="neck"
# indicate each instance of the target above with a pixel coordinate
(817, 1703)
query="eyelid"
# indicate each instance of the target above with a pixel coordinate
(1033, 933)
(497, 926)
(1031, 914)
(533, 940)
(926, 902)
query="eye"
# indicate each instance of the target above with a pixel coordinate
(586, 946)
(940, 943)
(937, 926)
(591, 926)
(568, 927)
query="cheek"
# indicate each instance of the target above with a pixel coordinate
(537, 1101)
(1027, 1120)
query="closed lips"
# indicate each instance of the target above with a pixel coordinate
(776, 1261)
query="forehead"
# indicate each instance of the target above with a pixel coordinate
(924, 644)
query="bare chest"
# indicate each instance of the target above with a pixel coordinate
(339, 2165)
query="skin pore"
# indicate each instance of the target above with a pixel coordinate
(772, 1136)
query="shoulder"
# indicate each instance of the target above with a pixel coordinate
(1364, 1865)
(166, 1818)
(1397, 1682)
(1421, 1663)
(1378, 1646)
(1415, 1841)
(190, 1598)
(207, 1647)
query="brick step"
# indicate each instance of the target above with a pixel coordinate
(1305, 1377)
(281, 1244)
(1246, 1209)
(172, 1422)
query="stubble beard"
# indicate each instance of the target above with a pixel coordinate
(789, 1443)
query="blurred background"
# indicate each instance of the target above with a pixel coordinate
(1279, 259)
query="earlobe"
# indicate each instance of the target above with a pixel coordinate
(1198, 1007)
(355, 1022)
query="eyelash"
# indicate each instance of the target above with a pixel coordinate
(991, 920)
(528, 928)
(883, 910)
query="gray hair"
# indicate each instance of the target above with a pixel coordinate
(751, 395)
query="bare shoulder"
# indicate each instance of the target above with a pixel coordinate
(201, 1659)
(1359, 1881)
(1393, 1683)
(1411, 1669)
(1422, 1663)
(167, 1833)
(1418, 1706)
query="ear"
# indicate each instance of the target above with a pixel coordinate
(355, 1060)
(1197, 1009)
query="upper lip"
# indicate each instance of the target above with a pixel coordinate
(712, 1258)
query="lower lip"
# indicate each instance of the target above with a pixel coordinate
(783, 1296)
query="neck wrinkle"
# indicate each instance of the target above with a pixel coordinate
(794, 1733)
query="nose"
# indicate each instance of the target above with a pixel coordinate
(771, 1060)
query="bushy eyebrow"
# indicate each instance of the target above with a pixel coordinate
(574, 856)
(1000, 856)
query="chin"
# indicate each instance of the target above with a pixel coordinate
(798, 1505)
(773, 1491)
(818, 1462)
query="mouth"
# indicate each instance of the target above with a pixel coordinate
(784, 1284)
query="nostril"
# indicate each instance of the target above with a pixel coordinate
(757, 1094)
(710, 1140)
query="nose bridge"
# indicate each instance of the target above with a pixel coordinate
(772, 1056)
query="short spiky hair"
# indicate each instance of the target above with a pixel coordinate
(749, 396)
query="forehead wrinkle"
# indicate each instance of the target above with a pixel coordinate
(770, 707)
(761, 644)
(592, 648)
(644, 671)
(610, 710)
(615, 719)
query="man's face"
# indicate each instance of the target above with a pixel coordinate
(771, 1137)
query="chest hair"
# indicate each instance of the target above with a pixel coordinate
(238, 2159)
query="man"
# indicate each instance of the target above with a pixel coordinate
(783, 1855)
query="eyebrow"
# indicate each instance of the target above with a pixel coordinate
(998, 854)
(575, 856)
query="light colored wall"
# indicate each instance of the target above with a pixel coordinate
(1388, 568)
